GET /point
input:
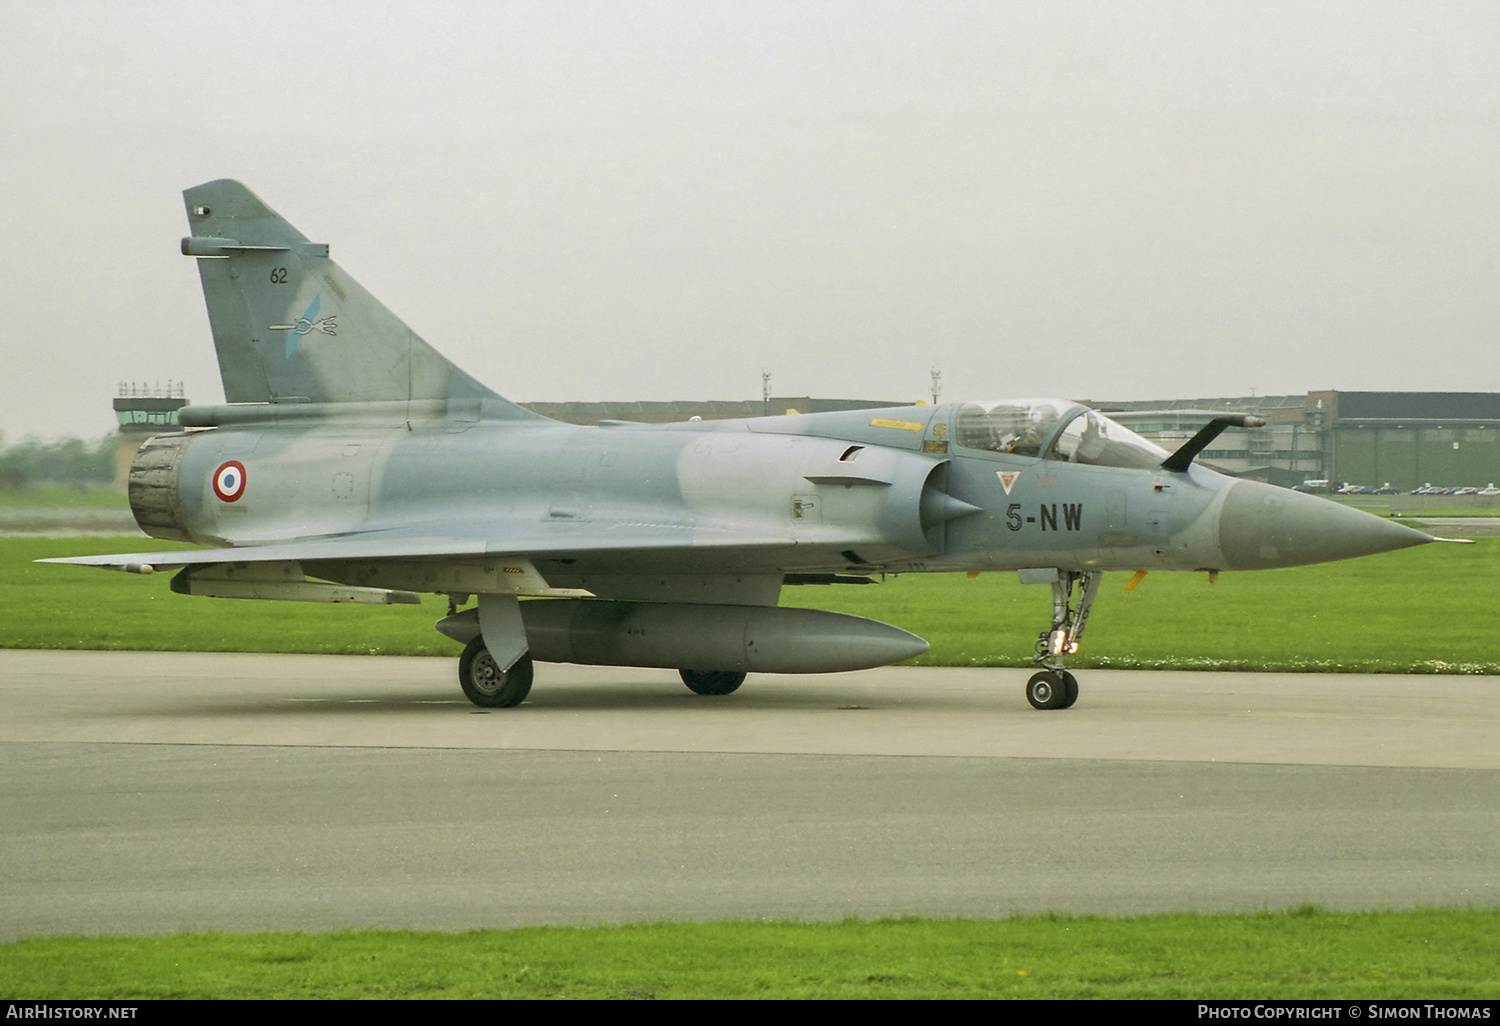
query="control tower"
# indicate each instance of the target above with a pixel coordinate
(144, 410)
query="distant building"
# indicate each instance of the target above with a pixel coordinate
(1404, 439)
(1287, 451)
(673, 412)
(1410, 438)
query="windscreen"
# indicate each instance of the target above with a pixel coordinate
(1054, 429)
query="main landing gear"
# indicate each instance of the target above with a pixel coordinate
(486, 684)
(1072, 597)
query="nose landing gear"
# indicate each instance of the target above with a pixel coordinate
(1072, 597)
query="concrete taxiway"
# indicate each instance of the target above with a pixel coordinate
(145, 793)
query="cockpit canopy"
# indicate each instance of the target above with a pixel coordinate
(1054, 429)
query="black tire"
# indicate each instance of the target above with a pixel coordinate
(1070, 690)
(1048, 690)
(712, 682)
(486, 685)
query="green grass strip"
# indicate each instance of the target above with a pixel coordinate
(48, 496)
(1421, 610)
(1305, 952)
(1411, 611)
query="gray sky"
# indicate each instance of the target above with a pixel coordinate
(657, 200)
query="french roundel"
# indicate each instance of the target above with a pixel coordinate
(229, 481)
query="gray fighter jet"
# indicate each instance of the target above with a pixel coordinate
(354, 463)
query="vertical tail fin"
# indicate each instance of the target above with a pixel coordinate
(290, 326)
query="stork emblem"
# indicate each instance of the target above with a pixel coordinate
(308, 323)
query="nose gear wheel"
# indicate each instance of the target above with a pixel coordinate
(1052, 689)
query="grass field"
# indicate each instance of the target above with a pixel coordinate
(1303, 953)
(57, 496)
(1440, 514)
(1419, 610)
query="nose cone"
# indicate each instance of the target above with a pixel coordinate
(1261, 526)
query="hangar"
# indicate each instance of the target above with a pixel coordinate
(1404, 439)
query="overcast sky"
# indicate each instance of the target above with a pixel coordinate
(659, 200)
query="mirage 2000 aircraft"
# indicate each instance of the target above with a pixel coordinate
(353, 463)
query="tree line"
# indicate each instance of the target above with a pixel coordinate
(71, 461)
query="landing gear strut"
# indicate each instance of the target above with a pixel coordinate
(1072, 596)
